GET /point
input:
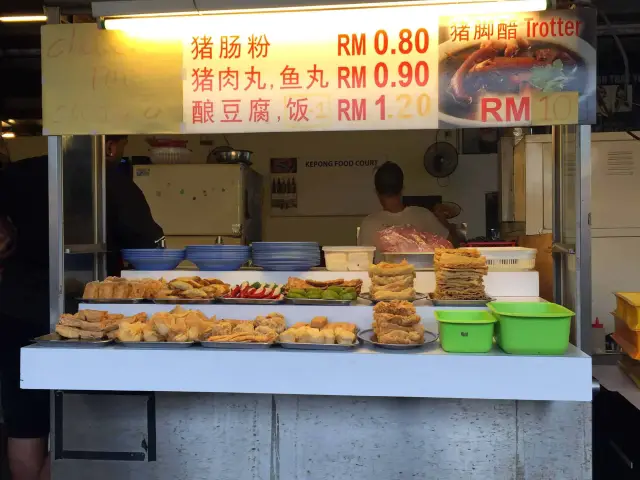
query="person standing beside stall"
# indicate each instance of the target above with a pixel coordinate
(389, 184)
(24, 286)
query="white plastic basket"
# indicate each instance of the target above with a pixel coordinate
(169, 155)
(348, 259)
(509, 259)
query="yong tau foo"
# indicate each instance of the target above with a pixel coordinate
(459, 274)
(320, 331)
(397, 322)
(177, 325)
(116, 288)
(89, 325)
(263, 329)
(392, 281)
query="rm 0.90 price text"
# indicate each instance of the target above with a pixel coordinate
(404, 76)
(401, 107)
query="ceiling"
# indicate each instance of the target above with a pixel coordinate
(20, 97)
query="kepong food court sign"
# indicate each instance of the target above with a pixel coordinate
(391, 68)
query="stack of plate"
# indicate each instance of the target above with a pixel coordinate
(218, 257)
(153, 258)
(292, 256)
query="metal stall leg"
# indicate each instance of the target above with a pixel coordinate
(56, 243)
(583, 239)
(571, 226)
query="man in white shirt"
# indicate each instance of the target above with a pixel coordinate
(389, 182)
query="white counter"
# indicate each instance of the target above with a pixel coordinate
(431, 373)
(425, 373)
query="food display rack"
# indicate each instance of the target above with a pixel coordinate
(428, 372)
(311, 437)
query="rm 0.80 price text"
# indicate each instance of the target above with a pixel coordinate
(407, 42)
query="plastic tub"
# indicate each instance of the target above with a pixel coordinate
(532, 328)
(465, 331)
(420, 260)
(628, 309)
(343, 259)
(628, 339)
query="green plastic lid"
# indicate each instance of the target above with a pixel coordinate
(464, 316)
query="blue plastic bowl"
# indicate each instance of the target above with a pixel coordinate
(154, 251)
(218, 266)
(155, 264)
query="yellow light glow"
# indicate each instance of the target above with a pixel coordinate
(8, 135)
(177, 25)
(24, 18)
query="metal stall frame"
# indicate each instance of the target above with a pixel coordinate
(583, 238)
(580, 246)
(57, 251)
(56, 239)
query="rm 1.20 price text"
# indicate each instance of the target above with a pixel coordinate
(400, 107)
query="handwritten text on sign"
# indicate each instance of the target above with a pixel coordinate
(97, 81)
(362, 70)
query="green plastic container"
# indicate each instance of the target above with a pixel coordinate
(465, 331)
(532, 328)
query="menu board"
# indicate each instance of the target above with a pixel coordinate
(395, 68)
(98, 81)
(375, 68)
(363, 70)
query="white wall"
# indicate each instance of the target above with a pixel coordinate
(476, 174)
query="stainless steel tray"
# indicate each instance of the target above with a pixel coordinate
(111, 300)
(184, 301)
(366, 296)
(317, 301)
(319, 346)
(367, 337)
(55, 340)
(460, 303)
(236, 345)
(250, 301)
(155, 345)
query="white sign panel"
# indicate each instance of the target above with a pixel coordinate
(365, 69)
(322, 187)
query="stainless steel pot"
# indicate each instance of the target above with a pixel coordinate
(229, 155)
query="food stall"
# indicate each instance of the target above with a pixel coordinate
(362, 412)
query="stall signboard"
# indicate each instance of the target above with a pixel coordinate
(377, 68)
(395, 68)
(100, 81)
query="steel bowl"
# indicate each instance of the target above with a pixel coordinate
(233, 156)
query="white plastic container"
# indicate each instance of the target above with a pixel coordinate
(509, 259)
(345, 259)
(420, 260)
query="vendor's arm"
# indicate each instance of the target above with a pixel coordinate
(426, 221)
(368, 233)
